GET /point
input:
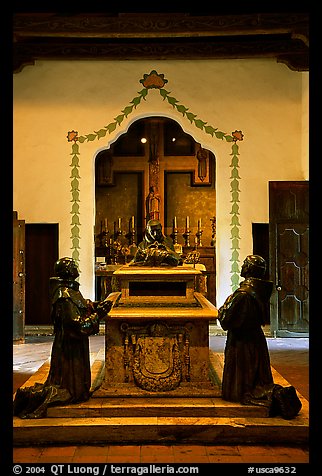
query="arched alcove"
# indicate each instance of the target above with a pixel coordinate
(155, 158)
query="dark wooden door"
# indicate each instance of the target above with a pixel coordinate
(41, 255)
(18, 279)
(289, 257)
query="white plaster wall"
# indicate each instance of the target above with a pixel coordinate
(264, 99)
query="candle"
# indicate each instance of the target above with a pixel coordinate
(199, 224)
(120, 224)
(106, 223)
(187, 223)
(132, 222)
(175, 222)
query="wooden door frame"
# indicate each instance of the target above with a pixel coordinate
(274, 271)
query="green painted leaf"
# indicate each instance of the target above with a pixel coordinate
(136, 101)
(91, 137)
(235, 244)
(235, 284)
(235, 197)
(119, 118)
(75, 172)
(235, 209)
(234, 149)
(164, 93)
(219, 134)
(75, 231)
(127, 110)
(235, 267)
(75, 208)
(75, 161)
(81, 139)
(235, 220)
(235, 232)
(75, 196)
(172, 100)
(111, 127)
(75, 256)
(191, 116)
(210, 130)
(75, 184)
(234, 161)
(75, 148)
(101, 133)
(75, 242)
(143, 93)
(200, 124)
(234, 173)
(235, 256)
(75, 220)
(182, 109)
(229, 138)
(234, 185)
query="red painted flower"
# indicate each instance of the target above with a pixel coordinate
(72, 135)
(153, 80)
(237, 135)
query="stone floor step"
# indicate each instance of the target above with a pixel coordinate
(171, 407)
(160, 430)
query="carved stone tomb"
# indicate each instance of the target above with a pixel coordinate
(157, 337)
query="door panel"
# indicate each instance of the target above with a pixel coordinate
(41, 255)
(293, 263)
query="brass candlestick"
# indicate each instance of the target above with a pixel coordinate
(132, 232)
(174, 236)
(186, 237)
(198, 235)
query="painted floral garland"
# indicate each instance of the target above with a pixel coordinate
(154, 80)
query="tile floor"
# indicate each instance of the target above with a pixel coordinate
(289, 356)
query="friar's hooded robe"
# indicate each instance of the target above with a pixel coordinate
(247, 376)
(69, 378)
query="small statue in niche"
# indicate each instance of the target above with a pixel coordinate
(74, 319)
(247, 376)
(202, 157)
(153, 205)
(156, 249)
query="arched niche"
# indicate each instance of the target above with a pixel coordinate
(155, 152)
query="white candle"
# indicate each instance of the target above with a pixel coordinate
(187, 223)
(175, 222)
(199, 224)
(120, 223)
(132, 222)
(105, 223)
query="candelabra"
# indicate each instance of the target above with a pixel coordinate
(193, 257)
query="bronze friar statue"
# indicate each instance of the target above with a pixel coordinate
(74, 319)
(156, 249)
(247, 375)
